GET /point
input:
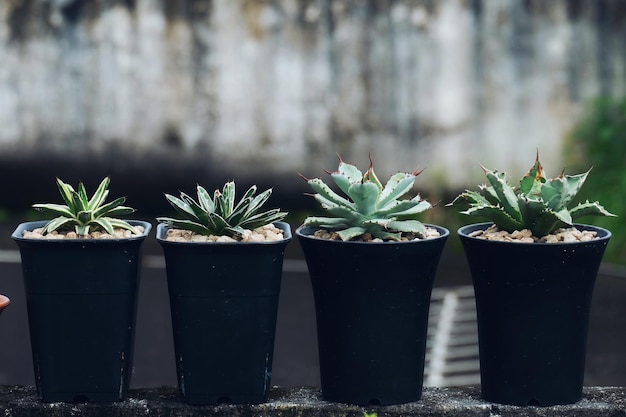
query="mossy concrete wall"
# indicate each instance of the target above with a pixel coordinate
(305, 402)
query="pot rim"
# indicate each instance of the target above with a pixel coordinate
(463, 233)
(17, 233)
(4, 301)
(286, 228)
(300, 232)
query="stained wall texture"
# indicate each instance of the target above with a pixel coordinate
(279, 86)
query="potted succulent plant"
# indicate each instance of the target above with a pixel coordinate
(372, 265)
(224, 265)
(533, 271)
(81, 272)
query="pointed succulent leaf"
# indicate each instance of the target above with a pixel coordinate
(105, 224)
(227, 199)
(115, 204)
(325, 191)
(121, 224)
(397, 186)
(82, 195)
(468, 198)
(66, 191)
(240, 212)
(198, 213)
(497, 214)
(57, 223)
(351, 232)
(411, 226)
(344, 212)
(56, 208)
(82, 229)
(364, 196)
(77, 203)
(100, 195)
(346, 175)
(384, 235)
(184, 225)
(370, 176)
(234, 231)
(326, 222)
(560, 191)
(258, 201)
(531, 183)
(489, 194)
(180, 206)
(590, 209)
(247, 198)
(548, 221)
(264, 218)
(205, 200)
(505, 193)
(411, 213)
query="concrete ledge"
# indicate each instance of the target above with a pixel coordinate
(19, 401)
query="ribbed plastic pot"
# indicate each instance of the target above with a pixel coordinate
(224, 303)
(81, 296)
(372, 302)
(4, 302)
(533, 302)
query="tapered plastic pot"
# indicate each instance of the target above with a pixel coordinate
(224, 302)
(81, 297)
(371, 302)
(4, 302)
(533, 302)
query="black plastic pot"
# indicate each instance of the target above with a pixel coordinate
(372, 302)
(81, 297)
(224, 301)
(533, 302)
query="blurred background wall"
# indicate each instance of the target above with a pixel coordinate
(161, 94)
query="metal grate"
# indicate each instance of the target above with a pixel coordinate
(452, 345)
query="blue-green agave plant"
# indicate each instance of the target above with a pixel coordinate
(369, 207)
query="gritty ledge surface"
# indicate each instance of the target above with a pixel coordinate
(18, 401)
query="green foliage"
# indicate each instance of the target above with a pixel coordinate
(538, 203)
(84, 213)
(599, 140)
(220, 216)
(369, 207)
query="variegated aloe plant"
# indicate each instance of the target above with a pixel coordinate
(538, 204)
(369, 207)
(220, 216)
(86, 214)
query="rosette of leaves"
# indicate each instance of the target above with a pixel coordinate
(368, 205)
(86, 214)
(221, 215)
(538, 204)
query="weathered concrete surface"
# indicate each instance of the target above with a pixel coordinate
(279, 86)
(18, 401)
